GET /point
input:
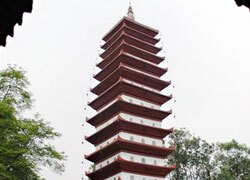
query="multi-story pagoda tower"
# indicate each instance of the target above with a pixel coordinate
(129, 137)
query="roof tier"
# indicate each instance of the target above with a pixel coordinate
(125, 88)
(122, 165)
(122, 125)
(122, 145)
(131, 41)
(132, 75)
(133, 25)
(132, 50)
(133, 62)
(121, 106)
(132, 32)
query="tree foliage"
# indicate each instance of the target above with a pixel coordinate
(24, 146)
(197, 159)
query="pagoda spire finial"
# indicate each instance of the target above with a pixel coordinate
(130, 13)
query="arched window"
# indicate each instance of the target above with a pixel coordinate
(143, 160)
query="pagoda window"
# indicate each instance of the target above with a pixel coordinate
(153, 124)
(107, 162)
(131, 158)
(100, 165)
(132, 178)
(101, 147)
(155, 162)
(143, 141)
(131, 138)
(130, 100)
(144, 179)
(131, 119)
(143, 160)
(153, 143)
(141, 121)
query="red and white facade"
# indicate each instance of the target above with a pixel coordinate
(129, 137)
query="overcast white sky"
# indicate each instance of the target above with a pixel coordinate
(206, 44)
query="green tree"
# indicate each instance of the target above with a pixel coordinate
(192, 156)
(24, 146)
(234, 160)
(197, 159)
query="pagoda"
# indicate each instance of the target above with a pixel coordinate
(129, 136)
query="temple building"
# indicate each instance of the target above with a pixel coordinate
(129, 137)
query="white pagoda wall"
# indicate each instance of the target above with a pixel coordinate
(127, 176)
(141, 85)
(132, 100)
(142, 72)
(132, 118)
(136, 138)
(140, 120)
(140, 102)
(132, 157)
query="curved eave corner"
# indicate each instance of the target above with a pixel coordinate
(11, 13)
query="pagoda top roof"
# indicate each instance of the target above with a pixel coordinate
(121, 164)
(123, 125)
(132, 24)
(119, 144)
